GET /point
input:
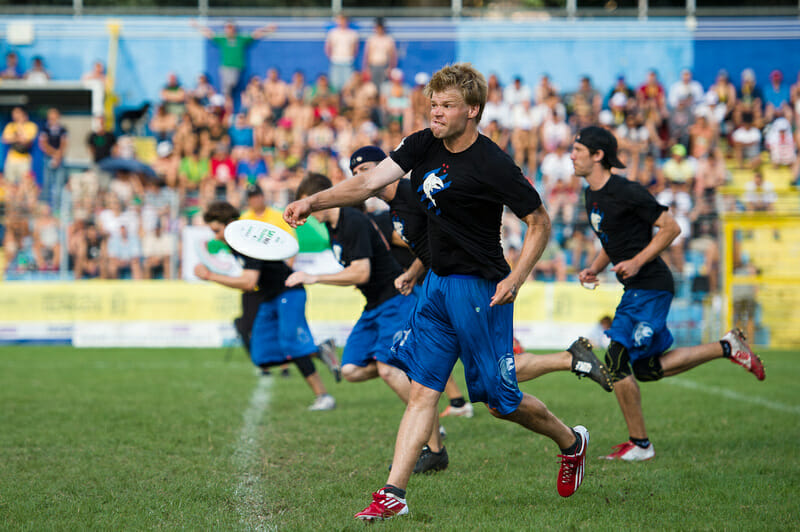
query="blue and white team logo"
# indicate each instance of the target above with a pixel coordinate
(337, 252)
(596, 218)
(399, 228)
(432, 184)
(642, 334)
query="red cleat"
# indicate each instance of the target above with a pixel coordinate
(570, 475)
(384, 506)
(742, 355)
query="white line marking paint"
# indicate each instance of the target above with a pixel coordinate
(730, 394)
(250, 500)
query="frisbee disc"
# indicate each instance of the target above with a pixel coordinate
(260, 240)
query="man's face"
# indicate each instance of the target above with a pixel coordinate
(218, 228)
(363, 167)
(450, 113)
(256, 202)
(52, 116)
(582, 159)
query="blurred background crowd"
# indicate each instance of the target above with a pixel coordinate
(154, 168)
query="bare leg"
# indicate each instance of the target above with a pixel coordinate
(353, 373)
(530, 366)
(630, 402)
(315, 383)
(451, 389)
(685, 358)
(415, 428)
(534, 415)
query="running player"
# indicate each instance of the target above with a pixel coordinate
(462, 180)
(622, 214)
(280, 332)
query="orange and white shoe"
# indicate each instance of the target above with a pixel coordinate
(742, 355)
(630, 452)
(459, 411)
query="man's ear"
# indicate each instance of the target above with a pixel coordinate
(473, 111)
(598, 156)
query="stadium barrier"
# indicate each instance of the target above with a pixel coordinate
(184, 314)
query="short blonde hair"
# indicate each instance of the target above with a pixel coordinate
(462, 76)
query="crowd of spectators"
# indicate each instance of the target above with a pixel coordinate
(126, 210)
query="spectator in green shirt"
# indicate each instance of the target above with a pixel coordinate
(232, 46)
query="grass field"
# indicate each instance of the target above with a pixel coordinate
(129, 439)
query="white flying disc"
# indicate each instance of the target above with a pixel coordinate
(260, 240)
(589, 286)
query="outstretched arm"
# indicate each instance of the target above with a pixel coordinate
(264, 31)
(204, 30)
(536, 238)
(355, 274)
(247, 281)
(349, 192)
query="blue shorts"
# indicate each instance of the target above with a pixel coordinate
(374, 333)
(453, 319)
(640, 323)
(280, 331)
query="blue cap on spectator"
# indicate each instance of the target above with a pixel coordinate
(366, 154)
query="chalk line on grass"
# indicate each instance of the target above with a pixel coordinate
(736, 396)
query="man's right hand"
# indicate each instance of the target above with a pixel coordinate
(297, 212)
(588, 276)
(405, 283)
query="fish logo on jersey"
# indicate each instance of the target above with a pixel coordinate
(432, 184)
(596, 218)
(399, 228)
(337, 252)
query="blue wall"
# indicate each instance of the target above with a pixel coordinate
(152, 47)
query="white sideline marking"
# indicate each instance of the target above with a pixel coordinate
(730, 394)
(250, 500)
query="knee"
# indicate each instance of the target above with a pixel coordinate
(617, 361)
(494, 412)
(648, 369)
(351, 373)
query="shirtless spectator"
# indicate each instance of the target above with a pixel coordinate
(380, 54)
(341, 47)
(276, 92)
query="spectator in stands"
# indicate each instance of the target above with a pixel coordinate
(19, 135)
(747, 142)
(341, 48)
(166, 164)
(749, 98)
(703, 133)
(587, 95)
(163, 124)
(517, 93)
(420, 104)
(194, 168)
(396, 99)
(241, 136)
(544, 89)
(233, 47)
(158, 247)
(620, 87)
(380, 54)
(524, 136)
(759, 195)
(90, 257)
(776, 97)
(650, 175)
(552, 265)
(173, 95)
(11, 70)
(781, 145)
(554, 132)
(276, 92)
(222, 183)
(680, 121)
(560, 185)
(721, 97)
(216, 134)
(97, 73)
(37, 74)
(124, 255)
(46, 239)
(53, 144)
(679, 169)
(633, 137)
(711, 174)
(496, 109)
(101, 143)
(251, 169)
(650, 94)
(18, 242)
(679, 173)
(686, 88)
(203, 89)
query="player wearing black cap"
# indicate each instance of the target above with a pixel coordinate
(623, 214)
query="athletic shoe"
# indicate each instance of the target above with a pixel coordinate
(630, 452)
(586, 364)
(460, 411)
(323, 402)
(570, 475)
(517, 349)
(327, 354)
(742, 354)
(429, 461)
(384, 506)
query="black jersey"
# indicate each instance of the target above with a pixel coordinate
(401, 254)
(622, 214)
(463, 195)
(357, 237)
(272, 275)
(410, 221)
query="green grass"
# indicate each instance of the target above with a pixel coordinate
(124, 439)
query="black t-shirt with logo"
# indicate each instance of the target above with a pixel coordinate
(463, 195)
(356, 237)
(622, 214)
(401, 254)
(102, 144)
(272, 275)
(54, 133)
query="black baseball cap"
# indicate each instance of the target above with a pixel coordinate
(366, 154)
(596, 138)
(254, 190)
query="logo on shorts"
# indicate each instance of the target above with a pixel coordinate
(434, 182)
(642, 334)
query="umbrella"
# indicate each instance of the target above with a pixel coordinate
(117, 164)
